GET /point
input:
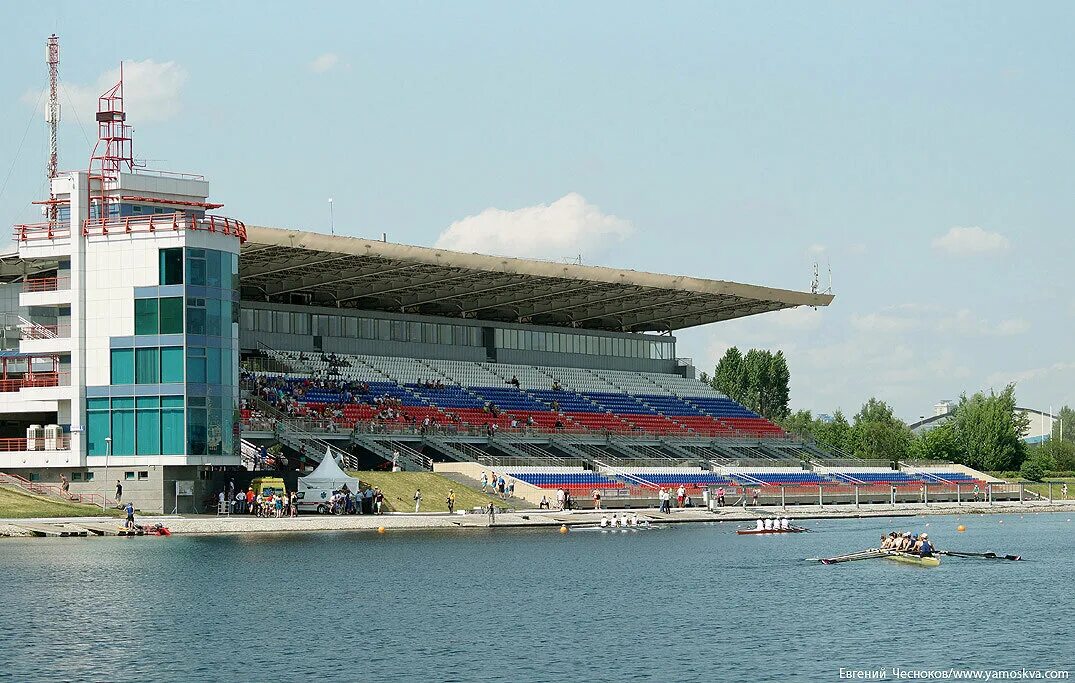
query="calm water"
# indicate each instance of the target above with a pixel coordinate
(686, 603)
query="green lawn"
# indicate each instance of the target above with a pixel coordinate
(1043, 488)
(399, 487)
(16, 504)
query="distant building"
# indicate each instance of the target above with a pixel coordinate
(1041, 423)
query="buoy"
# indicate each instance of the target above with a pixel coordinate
(961, 528)
(563, 529)
(380, 529)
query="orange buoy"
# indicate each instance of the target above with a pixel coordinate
(961, 528)
(563, 529)
(380, 529)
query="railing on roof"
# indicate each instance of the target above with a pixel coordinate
(37, 379)
(47, 444)
(163, 222)
(48, 230)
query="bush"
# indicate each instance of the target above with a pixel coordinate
(1032, 470)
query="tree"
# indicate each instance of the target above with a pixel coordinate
(1064, 426)
(1032, 469)
(760, 380)
(834, 434)
(728, 375)
(1061, 453)
(939, 443)
(800, 422)
(878, 433)
(990, 431)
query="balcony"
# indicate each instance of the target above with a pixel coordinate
(41, 339)
(49, 231)
(35, 380)
(62, 443)
(45, 291)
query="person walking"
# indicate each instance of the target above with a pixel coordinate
(119, 491)
(293, 507)
(681, 495)
(492, 513)
(596, 495)
(378, 500)
(450, 501)
(485, 481)
(754, 497)
(417, 499)
(65, 486)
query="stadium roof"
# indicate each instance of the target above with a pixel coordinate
(349, 272)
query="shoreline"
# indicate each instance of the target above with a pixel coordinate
(213, 525)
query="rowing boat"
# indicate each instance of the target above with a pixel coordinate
(789, 530)
(911, 558)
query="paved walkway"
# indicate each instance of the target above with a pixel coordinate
(240, 524)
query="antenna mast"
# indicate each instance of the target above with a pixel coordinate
(52, 115)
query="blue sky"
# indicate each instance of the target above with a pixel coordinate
(923, 150)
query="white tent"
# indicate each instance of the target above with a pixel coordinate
(326, 478)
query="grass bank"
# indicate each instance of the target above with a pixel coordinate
(19, 505)
(399, 487)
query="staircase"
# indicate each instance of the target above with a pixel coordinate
(55, 492)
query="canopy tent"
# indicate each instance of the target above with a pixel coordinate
(328, 476)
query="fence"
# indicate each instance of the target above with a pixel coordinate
(62, 443)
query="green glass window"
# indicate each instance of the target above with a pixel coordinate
(195, 315)
(147, 366)
(97, 404)
(212, 366)
(171, 266)
(196, 267)
(172, 428)
(171, 401)
(171, 315)
(196, 365)
(122, 432)
(212, 318)
(171, 364)
(149, 432)
(97, 430)
(145, 316)
(122, 366)
(196, 430)
(213, 270)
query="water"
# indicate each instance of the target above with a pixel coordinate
(694, 602)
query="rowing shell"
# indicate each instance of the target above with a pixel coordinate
(790, 530)
(911, 558)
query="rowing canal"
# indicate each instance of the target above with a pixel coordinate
(683, 603)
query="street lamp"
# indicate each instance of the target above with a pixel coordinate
(108, 452)
(331, 218)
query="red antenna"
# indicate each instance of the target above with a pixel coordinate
(115, 136)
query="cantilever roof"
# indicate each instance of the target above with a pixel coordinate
(356, 273)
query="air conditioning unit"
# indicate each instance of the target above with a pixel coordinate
(34, 436)
(53, 437)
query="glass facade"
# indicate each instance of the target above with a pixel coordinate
(586, 344)
(201, 418)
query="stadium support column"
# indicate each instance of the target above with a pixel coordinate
(79, 213)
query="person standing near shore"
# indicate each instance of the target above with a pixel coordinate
(119, 491)
(492, 513)
(450, 501)
(378, 500)
(485, 481)
(130, 515)
(417, 499)
(560, 499)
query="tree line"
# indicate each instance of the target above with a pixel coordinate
(984, 431)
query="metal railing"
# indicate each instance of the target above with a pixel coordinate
(37, 379)
(56, 491)
(46, 284)
(163, 222)
(48, 230)
(37, 331)
(62, 443)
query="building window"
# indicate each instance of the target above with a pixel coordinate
(196, 267)
(148, 425)
(89, 476)
(145, 316)
(76, 476)
(147, 366)
(142, 476)
(171, 315)
(171, 364)
(196, 365)
(122, 432)
(128, 476)
(171, 266)
(33, 476)
(172, 431)
(122, 366)
(97, 430)
(196, 315)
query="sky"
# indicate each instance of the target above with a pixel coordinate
(920, 151)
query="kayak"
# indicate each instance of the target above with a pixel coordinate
(790, 530)
(911, 558)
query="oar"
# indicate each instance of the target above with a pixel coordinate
(984, 556)
(853, 557)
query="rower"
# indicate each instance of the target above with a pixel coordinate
(761, 526)
(884, 541)
(768, 523)
(925, 548)
(784, 523)
(604, 521)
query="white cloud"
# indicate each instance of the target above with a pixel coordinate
(565, 228)
(1000, 379)
(151, 92)
(324, 62)
(815, 250)
(883, 322)
(971, 241)
(966, 323)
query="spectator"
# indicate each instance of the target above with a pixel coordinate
(417, 499)
(65, 486)
(514, 381)
(119, 490)
(450, 501)
(681, 495)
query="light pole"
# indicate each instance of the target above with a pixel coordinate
(108, 452)
(331, 218)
